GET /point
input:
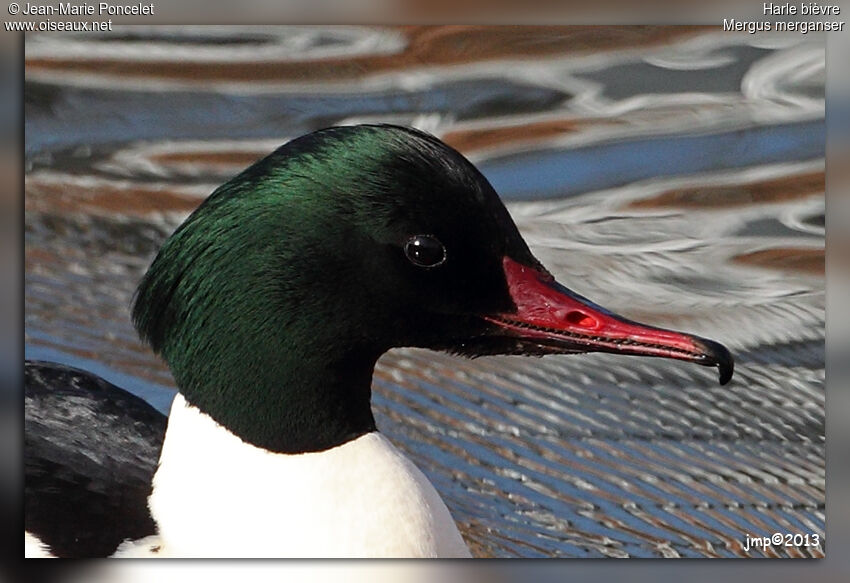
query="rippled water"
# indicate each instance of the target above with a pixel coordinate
(674, 175)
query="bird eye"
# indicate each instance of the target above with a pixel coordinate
(425, 251)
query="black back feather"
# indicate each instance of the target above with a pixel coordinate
(90, 453)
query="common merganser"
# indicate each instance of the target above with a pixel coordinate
(271, 304)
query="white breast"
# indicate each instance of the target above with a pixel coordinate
(215, 495)
(34, 548)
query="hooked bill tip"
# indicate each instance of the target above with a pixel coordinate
(725, 373)
(720, 356)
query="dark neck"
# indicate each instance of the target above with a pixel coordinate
(296, 406)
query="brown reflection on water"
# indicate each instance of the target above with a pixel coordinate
(425, 45)
(810, 261)
(469, 139)
(234, 158)
(782, 189)
(103, 198)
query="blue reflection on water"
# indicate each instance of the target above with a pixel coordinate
(555, 173)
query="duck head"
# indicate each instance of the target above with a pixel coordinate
(272, 302)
